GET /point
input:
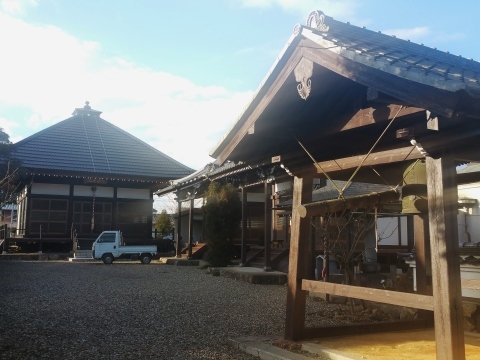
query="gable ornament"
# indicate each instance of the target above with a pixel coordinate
(303, 72)
(316, 20)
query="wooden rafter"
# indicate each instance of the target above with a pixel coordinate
(355, 202)
(376, 158)
(374, 115)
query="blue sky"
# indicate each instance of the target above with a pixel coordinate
(178, 73)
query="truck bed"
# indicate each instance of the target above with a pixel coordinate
(137, 249)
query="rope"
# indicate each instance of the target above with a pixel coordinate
(373, 147)
(88, 142)
(103, 145)
(340, 192)
(386, 182)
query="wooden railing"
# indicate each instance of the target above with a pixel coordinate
(7, 238)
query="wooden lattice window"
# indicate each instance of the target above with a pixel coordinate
(50, 215)
(82, 217)
(132, 217)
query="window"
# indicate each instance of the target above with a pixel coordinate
(48, 216)
(82, 217)
(107, 238)
(132, 217)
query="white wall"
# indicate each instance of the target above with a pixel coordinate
(86, 190)
(469, 218)
(50, 189)
(127, 193)
(388, 231)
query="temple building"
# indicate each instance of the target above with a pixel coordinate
(86, 175)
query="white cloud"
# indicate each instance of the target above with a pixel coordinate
(414, 34)
(342, 9)
(8, 126)
(49, 73)
(16, 7)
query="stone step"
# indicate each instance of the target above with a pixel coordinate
(82, 260)
(83, 254)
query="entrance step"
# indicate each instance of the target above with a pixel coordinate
(82, 256)
(198, 250)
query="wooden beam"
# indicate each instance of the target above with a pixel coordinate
(356, 329)
(298, 262)
(376, 158)
(382, 296)
(374, 115)
(442, 102)
(355, 202)
(251, 115)
(447, 295)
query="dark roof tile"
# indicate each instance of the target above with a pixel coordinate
(87, 144)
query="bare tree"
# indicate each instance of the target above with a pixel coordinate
(342, 234)
(9, 171)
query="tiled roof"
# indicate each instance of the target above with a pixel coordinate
(330, 192)
(396, 56)
(88, 145)
(356, 188)
(469, 168)
(383, 55)
(9, 207)
(211, 171)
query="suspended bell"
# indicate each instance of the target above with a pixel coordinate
(414, 188)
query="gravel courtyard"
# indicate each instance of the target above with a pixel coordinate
(61, 310)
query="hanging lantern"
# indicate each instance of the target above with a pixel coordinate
(414, 188)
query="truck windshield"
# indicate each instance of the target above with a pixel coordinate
(107, 238)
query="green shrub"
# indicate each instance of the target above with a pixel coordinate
(163, 224)
(222, 213)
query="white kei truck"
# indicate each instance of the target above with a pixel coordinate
(110, 246)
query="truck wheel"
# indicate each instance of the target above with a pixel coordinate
(107, 258)
(145, 259)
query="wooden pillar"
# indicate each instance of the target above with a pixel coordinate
(28, 204)
(150, 219)
(410, 233)
(286, 224)
(115, 208)
(298, 261)
(190, 230)
(40, 241)
(423, 261)
(179, 230)
(244, 227)
(311, 252)
(447, 296)
(422, 254)
(70, 209)
(273, 227)
(5, 238)
(267, 224)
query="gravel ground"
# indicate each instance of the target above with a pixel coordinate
(61, 310)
